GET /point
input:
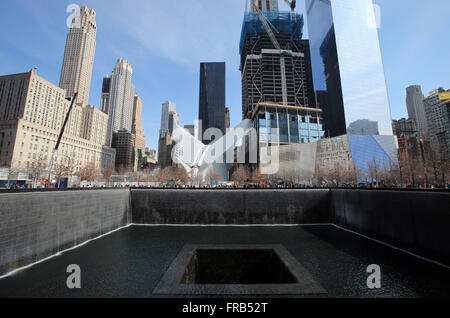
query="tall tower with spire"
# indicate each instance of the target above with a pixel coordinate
(79, 54)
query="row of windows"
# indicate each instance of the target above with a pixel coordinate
(55, 136)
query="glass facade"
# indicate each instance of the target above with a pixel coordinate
(212, 96)
(347, 66)
(368, 157)
(294, 127)
(372, 154)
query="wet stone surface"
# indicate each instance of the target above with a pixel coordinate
(132, 262)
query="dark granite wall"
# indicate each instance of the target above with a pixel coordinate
(36, 225)
(220, 207)
(415, 221)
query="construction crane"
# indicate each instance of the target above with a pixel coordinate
(266, 25)
(291, 4)
(275, 43)
(61, 133)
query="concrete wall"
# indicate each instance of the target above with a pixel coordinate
(36, 225)
(230, 206)
(415, 221)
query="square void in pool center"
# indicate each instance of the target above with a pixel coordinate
(237, 270)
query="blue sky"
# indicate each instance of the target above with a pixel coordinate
(165, 41)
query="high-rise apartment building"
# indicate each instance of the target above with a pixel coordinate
(404, 128)
(211, 112)
(121, 98)
(32, 112)
(165, 146)
(264, 5)
(138, 128)
(123, 142)
(79, 54)
(438, 120)
(416, 109)
(415, 153)
(94, 125)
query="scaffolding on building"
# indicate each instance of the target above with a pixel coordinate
(272, 60)
(282, 22)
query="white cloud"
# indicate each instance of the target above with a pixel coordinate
(186, 32)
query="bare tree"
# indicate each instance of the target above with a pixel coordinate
(240, 175)
(393, 175)
(444, 170)
(60, 170)
(349, 175)
(212, 176)
(108, 173)
(89, 172)
(321, 175)
(163, 175)
(11, 172)
(338, 174)
(37, 168)
(257, 176)
(374, 171)
(182, 175)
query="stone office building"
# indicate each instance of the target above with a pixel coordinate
(32, 112)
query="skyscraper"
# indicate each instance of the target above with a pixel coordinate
(212, 97)
(350, 83)
(437, 110)
(347, 65)
(167, 108)
(192, 130)
(169, 119)
(121, 98)
(265, 5)
(137, 128)
(174, 119)
(123, 142)
(79, 54)
(404, 128)
(104, 103)
(227, 118)
(416, 109)
(275, 87)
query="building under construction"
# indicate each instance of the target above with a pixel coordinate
(277, 87)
